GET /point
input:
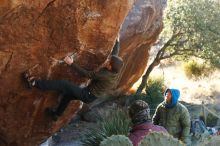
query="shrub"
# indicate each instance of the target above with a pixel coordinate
(154, 93)
(112, 122)
(93, 137)
(115, 122)
(195, 69)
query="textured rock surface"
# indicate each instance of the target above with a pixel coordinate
(31, 32)
(139, 31)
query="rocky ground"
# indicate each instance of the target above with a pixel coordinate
(70, 134)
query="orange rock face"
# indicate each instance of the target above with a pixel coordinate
(33, 32)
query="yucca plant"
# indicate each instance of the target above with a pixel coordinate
(112, 122)
(115, 122)
(93, 137)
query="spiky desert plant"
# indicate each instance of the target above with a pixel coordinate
(115, 122)
(116, 140)
(160, 139)
(112, 122)
(93, 137)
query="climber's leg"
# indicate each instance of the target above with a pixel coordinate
(62, 86)
(85, 97)
(57, 112)
(63, 105)
(70, 90)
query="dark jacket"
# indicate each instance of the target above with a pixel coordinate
(174, 117)
(139, 131)
(102, 81)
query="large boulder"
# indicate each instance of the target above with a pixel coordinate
(34, 32)
(139, 32)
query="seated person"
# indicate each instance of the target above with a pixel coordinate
(139, 113)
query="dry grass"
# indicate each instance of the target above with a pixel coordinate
(192, 91)
(205, 89)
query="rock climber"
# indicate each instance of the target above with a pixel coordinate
(102, 81)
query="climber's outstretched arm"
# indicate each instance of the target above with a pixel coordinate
(116, 48)
(90, 74)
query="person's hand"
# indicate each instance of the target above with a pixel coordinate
(118, 37)
(68, 60)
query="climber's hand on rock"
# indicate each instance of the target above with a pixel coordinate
(68, 60)
(118, 37)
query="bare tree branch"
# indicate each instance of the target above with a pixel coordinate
(154, 63)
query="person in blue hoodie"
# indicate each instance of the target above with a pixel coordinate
(173, 116)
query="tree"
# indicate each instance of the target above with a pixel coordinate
(191, 28)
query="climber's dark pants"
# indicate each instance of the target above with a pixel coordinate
(69, 90)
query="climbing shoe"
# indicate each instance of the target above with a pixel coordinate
(30, 80)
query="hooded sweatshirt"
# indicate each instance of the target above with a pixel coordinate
(174, 117)
(175, 97)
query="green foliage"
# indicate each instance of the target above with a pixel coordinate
(211, 120)
(112, 122)
(116, 140)
(154, 93)
(160, 139)
(195, 70)
(115, 122)
(93, 137)
(192, 28)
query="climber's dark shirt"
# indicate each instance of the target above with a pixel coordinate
(102, 81)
